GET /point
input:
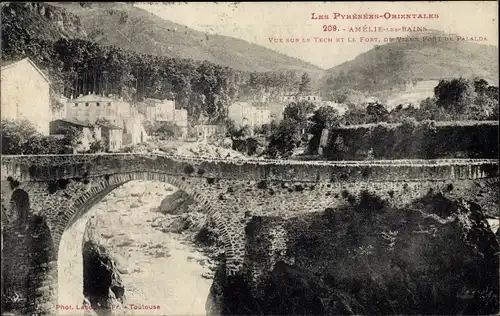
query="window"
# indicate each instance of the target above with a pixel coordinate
(109, 103)
(86, 104)
(308, 98)
(76, 104)
(97, 104)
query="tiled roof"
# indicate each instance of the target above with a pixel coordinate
(76, 122)
(93, 98)
(108, 125)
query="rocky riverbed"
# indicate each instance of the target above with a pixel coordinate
(162, 271)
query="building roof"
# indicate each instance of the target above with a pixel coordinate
(12, 63)
(93, 98)
(76, 122)
(108, 125)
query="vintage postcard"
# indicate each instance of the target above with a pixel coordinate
(249, 158)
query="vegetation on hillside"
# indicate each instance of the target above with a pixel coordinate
(389, 66)
(78, 66)
(131, 28)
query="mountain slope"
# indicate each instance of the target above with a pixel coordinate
(388, 65)
(129, 27)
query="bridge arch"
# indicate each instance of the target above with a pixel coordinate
(97, 189)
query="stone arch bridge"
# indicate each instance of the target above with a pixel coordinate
(55, 190)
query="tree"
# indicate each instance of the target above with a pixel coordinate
(455, 95)
(21, 138)
(98, 146)
(167, 130)
(354, 116)
(305, 83)
(325, 117)
(480, 85)
(299, 111)
(376, 113)
(15, 135)
(287, 137)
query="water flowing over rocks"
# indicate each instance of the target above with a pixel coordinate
(435, 256)
(157, 264)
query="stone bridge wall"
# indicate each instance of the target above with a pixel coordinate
(61, 188)
(47, 168)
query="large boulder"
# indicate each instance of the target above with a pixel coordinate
(102, 284)
(176, 203)
(436, 256)
(103, 288)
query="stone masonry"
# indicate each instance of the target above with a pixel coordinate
(52, 192)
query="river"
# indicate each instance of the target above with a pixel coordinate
(162, 271)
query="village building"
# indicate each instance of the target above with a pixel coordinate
(204, 132)
(25, 94)
(296, 96)
(92, 107)
(244, 114)
(113, 135)
(262, 116)
(133, 131)
(160, 110)
(181, 121)
(90, 133)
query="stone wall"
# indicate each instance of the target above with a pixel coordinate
(29, 263)
(367, 257)
(402, 141)
(57, 167)
(62, 188)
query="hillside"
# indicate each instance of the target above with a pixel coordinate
(132, 28)
(386, 66)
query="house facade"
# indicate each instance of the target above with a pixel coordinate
(298, 97)
(25, 94)
(203, 132)
(90, 132)
(242, 114)
(92, 107)
(133, 131)
(262, 116)
(113, 135)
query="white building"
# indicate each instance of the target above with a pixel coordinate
(165, 111)
(244, 114)
(160, 110)
(203, 132)
(133, 131)
(181, 117)
(297, 97)
(262, 116)
(25, 94)
(92, 107)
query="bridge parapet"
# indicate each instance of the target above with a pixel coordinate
(56, 167)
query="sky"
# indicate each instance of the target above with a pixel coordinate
(257, 22)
